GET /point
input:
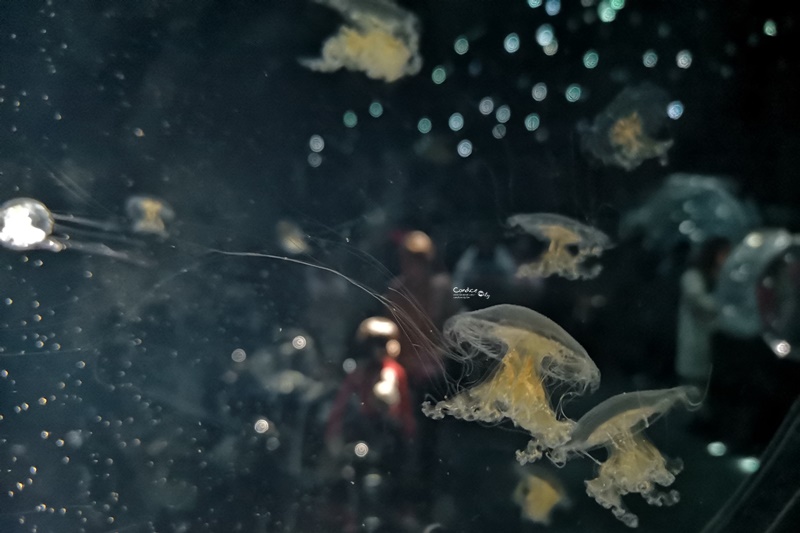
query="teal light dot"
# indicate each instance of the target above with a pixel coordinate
(573, 93)
(439, 75)
(424, 125)
(532, 122)
(650, 58)
(375, 109)
(606, 12)
(617, 4)
(461, 45)
(770, 28)
(350, 119)
(511, 43)
(590, 59)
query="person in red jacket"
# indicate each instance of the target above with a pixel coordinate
(374, 402)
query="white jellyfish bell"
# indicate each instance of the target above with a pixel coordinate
(27, 224)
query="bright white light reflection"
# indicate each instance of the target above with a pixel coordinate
(748, 465)
(782, 348)
(754, 240)
(361, 449)
(261, 425)
(716, 449)
(299, 342)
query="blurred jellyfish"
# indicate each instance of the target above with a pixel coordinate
(149, 214)
(571, 243)
(525, 358)
(758, 289)
(27, 224)
(634, 464)
(690, 207)
(291, 238)
(379, 38)
(538, 493)
(631, 129)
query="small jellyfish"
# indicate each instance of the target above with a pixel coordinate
(631, 129)
(538, 494)
(149, 214)
(528, 357)
(27, 224)
(291, 238)
(634, 464)
(571, 243)
(379, 38)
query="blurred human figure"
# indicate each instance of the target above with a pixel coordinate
(424, 298)
(697, 312)
(373, 403)
(370, 429)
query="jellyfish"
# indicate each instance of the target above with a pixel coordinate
(379, 38)
(27, 224)
(634, 464)
(539, 493)
(563, 234)
(291, 238)
(630, 130)
(529, 357)
(149, 214)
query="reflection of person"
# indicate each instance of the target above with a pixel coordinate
(425, 298)
(377, 389)
(697, 312)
